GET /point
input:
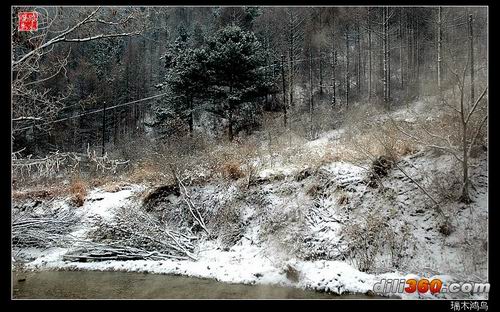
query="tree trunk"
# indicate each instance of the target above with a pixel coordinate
(408, 55)
(439, 43)
(284, 90)
(465, 161)
(417, 58)
(311, 88)
(311, 91)
(388, 59)
(290, 78)
(291, 59)
(401, 47)
(320, 57)
(358, 67)
(465, 166)
(230, 126)
(333, 63)
(115, 128)
(347, 76)
(230, 115)
(471, 43)
(413, 51)
(369, 55)
(103, 128)
(384, 17)
(191, 119)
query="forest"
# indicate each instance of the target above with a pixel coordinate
(306, 140)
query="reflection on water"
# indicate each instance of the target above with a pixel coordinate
(120, 285)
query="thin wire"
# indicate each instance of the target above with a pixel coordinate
(144, 99)
(93, 112)
(297, 61)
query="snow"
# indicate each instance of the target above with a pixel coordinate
(251, 261)
(254, 258)
(103, 204)
(326, 138)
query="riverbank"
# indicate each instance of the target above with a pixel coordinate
(120, 285)
(330, 227)
(250, 261)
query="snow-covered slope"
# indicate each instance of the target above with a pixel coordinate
(296, 225)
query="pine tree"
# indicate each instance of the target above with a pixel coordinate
(226, 73)
(236, 60)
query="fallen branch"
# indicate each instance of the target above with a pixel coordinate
(187, 199)
(436, 204)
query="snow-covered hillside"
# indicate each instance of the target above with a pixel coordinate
(314, 228)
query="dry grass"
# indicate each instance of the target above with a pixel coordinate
(343, 198)
(232, 171)
(146, 171)
(78, 191)
(37, 193)
(113, 187)
(378, 139)
(313, 190)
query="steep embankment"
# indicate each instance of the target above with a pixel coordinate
(297, 226)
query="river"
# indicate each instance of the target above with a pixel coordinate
(122, 285)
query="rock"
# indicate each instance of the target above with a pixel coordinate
(292, 273)
(158, 195)
(446, 228)
(303, 174)
(380, 168)
(370, 293)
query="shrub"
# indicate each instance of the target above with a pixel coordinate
(343, 198)
(291, 273)
(381, 165)
(78, 191)
(37, 194)
(232, 171)
(366, 240)
(446, 228)
(226, 225)
(373, 235)
(313, 190)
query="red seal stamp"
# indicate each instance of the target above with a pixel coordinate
(28, 21)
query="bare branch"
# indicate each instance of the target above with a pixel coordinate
(475, 104)
(101, 36)
(26, 118)
(476, 135)
(56, 39)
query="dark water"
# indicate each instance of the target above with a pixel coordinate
(120, 285)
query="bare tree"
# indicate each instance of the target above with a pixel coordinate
(401, 46)
(471, 49)
(294, 34)
(469, 132)
(333, 58)
(472, 117)
(347, 73)
(37, 59)
(385, 20)
(439, 47)
(284, 90)
(369, 54)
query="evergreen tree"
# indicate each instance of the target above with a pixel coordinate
(227, 73)
(236, 62)
(186, 79)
